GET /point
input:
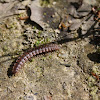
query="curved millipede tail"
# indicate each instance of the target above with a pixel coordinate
(36, 51)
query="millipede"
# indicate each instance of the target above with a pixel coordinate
(31, 53)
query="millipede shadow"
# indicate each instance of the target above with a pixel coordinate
(5, 60)
(9, 72)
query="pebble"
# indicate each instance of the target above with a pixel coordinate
(75, 24)
(54, 3)
(82, 11)
(63, 55)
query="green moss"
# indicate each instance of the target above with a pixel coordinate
(37, 43)
(34, 28)
(91, 81)
(47, 40)
(12, 25)
(50, 56)
(13, 56)
(18, 52)
(5, 48)
(43, 58)
(94, 92)
(41, 41)
(20, 15)
(44, 2)
(39, 32)
(45, 14)
(32, 60)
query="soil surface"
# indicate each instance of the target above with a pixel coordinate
(72, 72)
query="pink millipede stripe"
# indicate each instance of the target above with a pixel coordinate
(23, 61)
(31, 55)
(25, 58)
(39, 50)
(43, 49)
(34, 53)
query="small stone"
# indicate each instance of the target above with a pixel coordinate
(57, 31)
(54, 3)
(75, 24)
(63, 55)
(36, 13)
(90, 2)
(79, 12)
(84, 10)
(70, 22)
(72, 11)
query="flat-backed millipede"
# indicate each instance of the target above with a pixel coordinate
(36, 51)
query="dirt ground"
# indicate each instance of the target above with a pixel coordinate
(70, 73)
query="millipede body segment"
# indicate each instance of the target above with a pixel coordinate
(36, 51)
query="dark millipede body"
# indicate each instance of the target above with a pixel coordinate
(36, 51)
